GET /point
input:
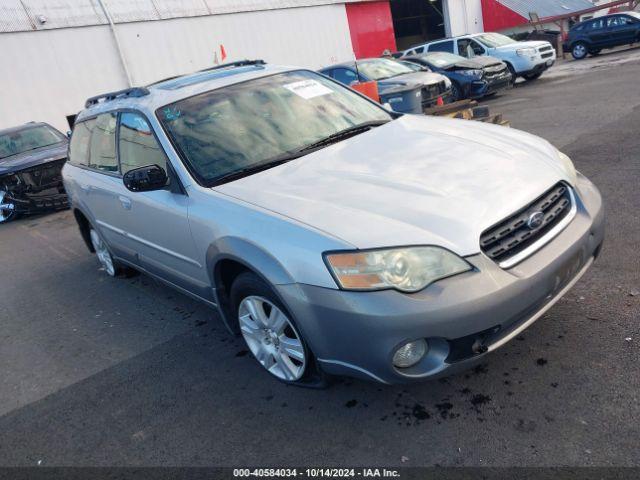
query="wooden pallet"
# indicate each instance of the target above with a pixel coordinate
(467, 110)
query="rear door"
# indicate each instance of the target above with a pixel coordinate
(445, 46)
(622, 29)
(100, 184)
(157, 222)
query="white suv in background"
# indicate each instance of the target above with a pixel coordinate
(525, 59)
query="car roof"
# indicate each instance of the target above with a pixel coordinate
(24, 126)
(352, 63)
(173, 89)
(443, 39)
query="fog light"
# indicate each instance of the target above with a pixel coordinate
(410, 353)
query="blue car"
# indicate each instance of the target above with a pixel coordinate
(470, 77)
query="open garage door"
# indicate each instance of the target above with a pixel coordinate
(417, 21)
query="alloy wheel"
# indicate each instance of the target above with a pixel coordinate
(272, 338)
(103, 253)
(579, 51)
(7, 207)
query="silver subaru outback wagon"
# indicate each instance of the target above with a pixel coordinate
(336, 237)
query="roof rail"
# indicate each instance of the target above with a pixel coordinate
(106, 97)
(239, 63)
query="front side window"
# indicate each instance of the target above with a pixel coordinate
(382, 68)
(80, 141)
(137, 146)
(230, 129)
(102, 148)
(596, 24)
(30, 138)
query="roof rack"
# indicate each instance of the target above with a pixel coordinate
(106, 97)
(239, 63)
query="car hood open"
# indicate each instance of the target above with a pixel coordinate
(413, 181)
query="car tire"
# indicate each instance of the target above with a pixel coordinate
(8, 212)
(112, 267)
(529, 77)
(271, 334)
(514, 75)
(579, 50)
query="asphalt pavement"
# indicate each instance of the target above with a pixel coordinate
(99, 371)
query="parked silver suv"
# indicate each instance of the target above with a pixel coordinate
(337, 237)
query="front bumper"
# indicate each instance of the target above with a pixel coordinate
(357, 333)
(481, 88)
(30, 204)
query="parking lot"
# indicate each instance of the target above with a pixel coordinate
(103, 371)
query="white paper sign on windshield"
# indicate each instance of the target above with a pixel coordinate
(308, 89)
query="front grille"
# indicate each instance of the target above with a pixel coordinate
(41, 177)
(492, 72)
(547, 55)
(432, 91)
(514, 234)
(545, 48)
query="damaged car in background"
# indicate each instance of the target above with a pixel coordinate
(31, 161)
(403, 88)
(470, 78)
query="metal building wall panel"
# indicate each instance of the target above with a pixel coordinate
(53, 72)
(13, 17)
(123, 11)
(48, 14)
(310, 37)
(74, 13)
(181, 8)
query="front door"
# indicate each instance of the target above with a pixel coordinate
(158, 222)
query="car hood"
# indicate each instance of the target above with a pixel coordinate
(483, 61)
(414, 181)
(516, 45)
(410, 79)
(32, 158)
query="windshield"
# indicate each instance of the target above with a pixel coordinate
(248, 124)
(443, 59)
(30, 138)
(381, 68)
(493, 40)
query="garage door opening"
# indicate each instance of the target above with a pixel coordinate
(417, 21)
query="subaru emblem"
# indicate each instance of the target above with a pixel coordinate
(535, 220)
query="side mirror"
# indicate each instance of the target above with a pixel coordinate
(145, 179)
(68, 133)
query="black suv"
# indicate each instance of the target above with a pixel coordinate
(607, 31)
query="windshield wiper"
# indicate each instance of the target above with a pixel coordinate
(288, 156)
(255, 168)
(343, 134)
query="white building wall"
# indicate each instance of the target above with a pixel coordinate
(462, 17)
(52, 72)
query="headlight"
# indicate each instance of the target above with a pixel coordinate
(568, 166)
(407, 269)
(524, 52)
(471, 73)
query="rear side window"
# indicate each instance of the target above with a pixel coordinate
(596, 24)
(442, 47)
(80, 140)
(137, 145)
(102, 149)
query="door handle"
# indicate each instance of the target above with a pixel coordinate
(85, 188)
(125, 201)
